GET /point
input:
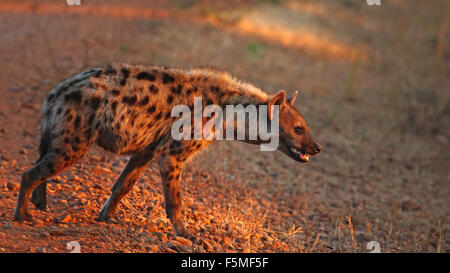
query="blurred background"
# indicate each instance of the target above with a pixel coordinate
(374, 87)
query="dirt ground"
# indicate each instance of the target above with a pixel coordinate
(374, 84)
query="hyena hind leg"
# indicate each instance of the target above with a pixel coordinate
(35, 178)
(136, 164)
(39, 196)
(32, 178)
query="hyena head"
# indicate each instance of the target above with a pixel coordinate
(295, 138)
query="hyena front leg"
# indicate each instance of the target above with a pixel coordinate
(136, 164)
(170, 167)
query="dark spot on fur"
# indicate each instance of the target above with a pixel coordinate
(95, 103)
(151, 109)
(73, 96)
(125, 74)
(69, 117)
(175, 144)
(77, 121)
(63, 89)
(145, 76)
(110, 70)
(88, 133)
(153, 88)
(177, 90)
(75, 148)
(91, 118)
(130, 100)
(45, 144)
(167, 78)
(115, 92)
(144, 101)
(170, 99)
(114, 107)
(159, 115)
(59, 110)
(50, 97)
(48, 113)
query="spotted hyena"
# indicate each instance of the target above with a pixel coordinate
(127, 110)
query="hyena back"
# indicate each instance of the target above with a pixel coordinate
(127, 110)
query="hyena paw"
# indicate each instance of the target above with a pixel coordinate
(181, 230)
(39, 203)
(22, 217)
(103, 216)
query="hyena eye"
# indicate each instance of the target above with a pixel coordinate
(299, 130)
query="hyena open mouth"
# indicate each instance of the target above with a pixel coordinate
(302, 156)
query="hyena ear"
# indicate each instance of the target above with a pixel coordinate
(292, 99)
(278, 99)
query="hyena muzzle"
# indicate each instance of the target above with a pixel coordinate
(126, 110)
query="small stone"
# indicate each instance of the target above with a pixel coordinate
(6, 226)
(12, 186)
(183, 241)
(410, 205)
(207, 245)
(161, 236)
(40, 250)
(15, 88)
(153, 248)
(66, 219)
(23, 151)
(44, 235)
(169, 250)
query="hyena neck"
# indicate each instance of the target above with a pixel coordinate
(229, 92)
(245, 94)
(224, 89)
(247, 99)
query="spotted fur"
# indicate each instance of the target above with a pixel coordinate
(126, 110)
